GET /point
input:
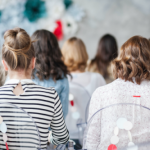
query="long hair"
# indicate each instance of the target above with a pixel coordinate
(49, 61)
(133, 60)
(106, 52)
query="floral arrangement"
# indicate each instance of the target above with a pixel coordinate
(67, 3)
(34, 10)
(58, 16)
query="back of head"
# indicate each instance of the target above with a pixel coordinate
(17, 49)
(133, 60)
(107, 49)
(106, 52)
(75, 54)
(49, 61)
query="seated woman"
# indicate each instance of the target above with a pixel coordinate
(42, 104)
(75, 58)
(132, 73)
(50, 70)
(106, 52)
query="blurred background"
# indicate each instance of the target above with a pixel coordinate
(86, 19)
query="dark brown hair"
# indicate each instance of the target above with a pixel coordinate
(106, 52)
(49, 61)
(17, 49)
(133, 60)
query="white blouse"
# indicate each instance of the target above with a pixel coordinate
(101, 130)
(91, 81)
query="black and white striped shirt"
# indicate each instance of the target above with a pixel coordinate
(42, 104)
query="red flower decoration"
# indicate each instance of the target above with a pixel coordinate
(72, 103)
(58, 32)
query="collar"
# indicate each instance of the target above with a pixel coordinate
(16, 81)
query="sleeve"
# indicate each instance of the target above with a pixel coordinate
(60, 134)
(64, 97)
(94, 123)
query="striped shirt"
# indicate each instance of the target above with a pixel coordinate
(43, 105)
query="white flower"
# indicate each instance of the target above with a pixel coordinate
(47, 23)
(3, 4)
(55, 8)
(76, 12)
(69, 25)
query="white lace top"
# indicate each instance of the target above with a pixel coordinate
(102, 127)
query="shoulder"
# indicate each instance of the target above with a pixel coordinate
(103, 93)
(96, 75)
(7, 86)
(120, 86)
(111, 87)
(64, 79)
(64, 83)
(41, 89)
(42, 92)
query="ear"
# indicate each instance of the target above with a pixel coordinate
(33, 62)
(5, 65)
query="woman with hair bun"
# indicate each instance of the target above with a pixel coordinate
(42, 104)
(132, 72)
(50, 70)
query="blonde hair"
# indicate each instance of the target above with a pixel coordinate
(17, 49)
(133, 60)
(74, 54)
(3, 75)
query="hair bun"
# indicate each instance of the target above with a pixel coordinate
(18, 44)
(17, 40)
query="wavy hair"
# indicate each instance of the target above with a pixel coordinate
(49, 61)
(133, 60)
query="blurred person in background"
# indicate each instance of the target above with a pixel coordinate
(50, 71)
(106, 52)
(75, 58)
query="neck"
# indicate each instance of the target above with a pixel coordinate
(19, 75)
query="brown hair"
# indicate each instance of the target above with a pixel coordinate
(74, 54)
(106, 52)
(17, 49)
(49, 61)
(133, 60)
